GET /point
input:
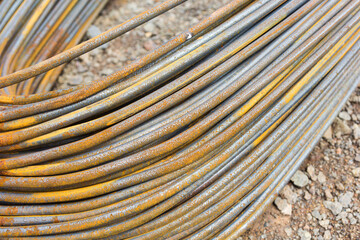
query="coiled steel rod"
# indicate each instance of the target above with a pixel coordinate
(191, 141)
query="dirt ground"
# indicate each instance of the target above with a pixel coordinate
(327, 207)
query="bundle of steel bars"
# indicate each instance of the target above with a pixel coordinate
(34, 30)
(191, 141)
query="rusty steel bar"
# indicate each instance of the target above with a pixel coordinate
(192, 141)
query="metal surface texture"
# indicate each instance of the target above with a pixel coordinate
(191, 141)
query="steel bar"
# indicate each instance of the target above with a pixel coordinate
(191, 141)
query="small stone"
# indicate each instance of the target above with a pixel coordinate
(357, 158)
(342, 215)
(327, 235)
(345, 221)
(149, 27)
(341, 128)
(356, 172)
(324, 223)
(300, 179)
(311, 171)
(354, 117)
(148, 34)
(321, 178)
(334, 207)
(107, 71)
(352, 219)
(339, 186)
(312, 190)
(316, 214)
(345, 116)
(75, 80)
(304, 235)
(284, 207)
(307, 195)
(328, 194)
(288, 194)
(93, 31)
(356, 132)
(328, 134)
(345, 199)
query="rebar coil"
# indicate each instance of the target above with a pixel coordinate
(191, 141)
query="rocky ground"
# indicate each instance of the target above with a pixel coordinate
(322, 201)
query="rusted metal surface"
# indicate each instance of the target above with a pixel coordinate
(191, 141)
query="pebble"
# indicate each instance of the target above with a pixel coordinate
(311, 171)
(307, 195)
(345, 199)
(304, 235)
(356, 132)
(344, 115)
(284, 207)
(334, 207)
(327, 235)
(352, 219)
(149, 27)
(357, 158)
(356, 172)
(321, 178)
(328, 134)
(341, 128)
(324, 223)
(107, 71)
(354, 117)
(328, 194)
(316, 214)
(341, 215)
(300, 179)
(75, 80)
(339, 186)
(288, 194)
